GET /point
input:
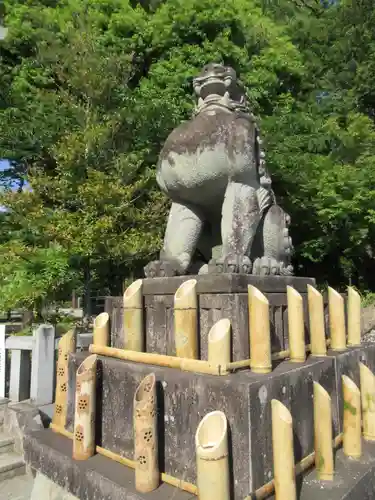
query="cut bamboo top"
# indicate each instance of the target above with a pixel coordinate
(145, 390)
(257, 294)
(101, 320)
(211, 436)
(133, 296)
(186, 295)
(67, 343)
(350, 384)
(282, 411)
(87, 365)
(219, 330)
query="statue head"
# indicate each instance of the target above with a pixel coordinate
(218, 85)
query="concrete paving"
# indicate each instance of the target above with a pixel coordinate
(17, 488)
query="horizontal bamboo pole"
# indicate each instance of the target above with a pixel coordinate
(185, 364)
(354, 317)
(245, 363)
(268, 489)
(166, 478)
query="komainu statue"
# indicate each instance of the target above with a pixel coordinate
(224, 216)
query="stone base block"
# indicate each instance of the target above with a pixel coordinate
(353, 480)
(184, 398)
(97, 478)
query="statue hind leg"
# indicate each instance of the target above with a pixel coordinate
(273, 250)
(240, 219)
(184, 228)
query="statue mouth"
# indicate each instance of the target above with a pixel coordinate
(206, 86)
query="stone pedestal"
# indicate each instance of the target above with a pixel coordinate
(219, 296)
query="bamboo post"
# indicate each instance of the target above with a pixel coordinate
(219, 338)
(186, 320)
(67, 344)
(368, 402)
(133, 317)
(354, 317)
(101, 329)
(84, 417)
(296, 326)
(147, 476)
(323, 433)
(260, 335)
(283, 454)
(352, 418)
(211, 445)
(336, 320)
(316, 321)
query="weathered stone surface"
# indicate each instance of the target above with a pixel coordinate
(214, 170)
(97, 478)
(353, 480)
(184, 398)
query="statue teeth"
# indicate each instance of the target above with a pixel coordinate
(226, 99)
(200, 101)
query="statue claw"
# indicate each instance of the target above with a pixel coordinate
(160, 269)
(233, 263)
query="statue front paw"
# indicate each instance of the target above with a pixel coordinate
(266, 266)
(160, 269)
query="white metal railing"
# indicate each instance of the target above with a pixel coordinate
(28, 372)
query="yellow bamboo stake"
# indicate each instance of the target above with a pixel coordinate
(323, 433)
(368, 402)
(219, 338)
(296, 326)
(133, 317)
(352, 418)
(336, 320)
(283, 454)
(260, 335)
(267, 489)
(166, 478)
(101, 329)
(150, 358)
(67, 344)
(147, 475)
(211, 444)
(186, 320)
(85, 410)
(354, 317)
(316, 321)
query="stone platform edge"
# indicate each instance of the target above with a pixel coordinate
(226, 283)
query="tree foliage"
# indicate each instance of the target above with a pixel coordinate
(91, 89)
